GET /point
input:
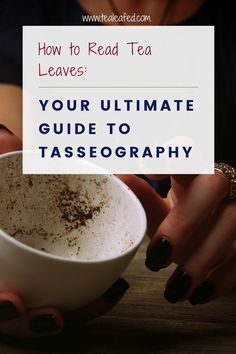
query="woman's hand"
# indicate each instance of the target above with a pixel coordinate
(17, 320)
(8, 141)
(194, 227)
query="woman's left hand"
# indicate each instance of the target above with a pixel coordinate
(18, 320)
(194, 227)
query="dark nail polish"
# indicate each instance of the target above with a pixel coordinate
(178, 287)
(202, 293)
(44, 324)
(158, 255)
(116, 291)
(8, 311)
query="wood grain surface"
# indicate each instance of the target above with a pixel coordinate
(144, 322)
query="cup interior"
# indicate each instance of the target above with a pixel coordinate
(85, 217)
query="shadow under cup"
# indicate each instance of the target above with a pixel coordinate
(64, 239)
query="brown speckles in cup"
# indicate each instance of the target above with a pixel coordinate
(66, 215)
(76, 209)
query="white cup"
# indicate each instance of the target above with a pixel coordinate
(51, 260)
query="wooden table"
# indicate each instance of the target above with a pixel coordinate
(144, 322)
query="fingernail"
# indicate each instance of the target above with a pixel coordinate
(44, 324)
(202, 293)
(117, 290)
(159, 254)
(8, 311)
(178, 287)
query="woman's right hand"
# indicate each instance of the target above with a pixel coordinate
(8, 141)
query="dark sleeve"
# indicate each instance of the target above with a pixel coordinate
(10, 48)
(225, 80)
(13, 15)
(10, 72)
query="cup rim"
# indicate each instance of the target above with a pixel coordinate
(135, 245)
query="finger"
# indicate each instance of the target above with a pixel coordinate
(12, 314)
(44, 322)
(17, 321)
(155, 207)
(219, 282)
(11, 107)
(215, 243)
(202, 196)
(8, 141)
(100, 306)
(34, 323)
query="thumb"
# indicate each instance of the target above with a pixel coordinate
(8, 141)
